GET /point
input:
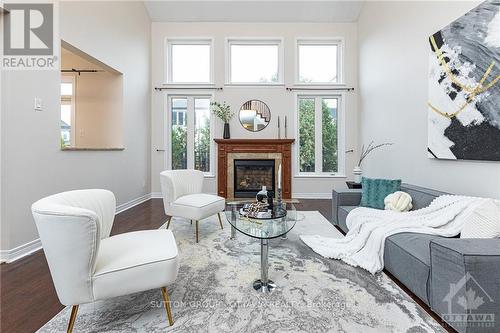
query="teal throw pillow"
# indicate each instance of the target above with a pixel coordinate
(375, 191)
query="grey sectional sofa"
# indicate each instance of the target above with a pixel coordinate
(440, 270)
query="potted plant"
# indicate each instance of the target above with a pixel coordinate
(365, 151)
(223, 112)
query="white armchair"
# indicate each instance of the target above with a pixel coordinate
(87, 264)
(183, 197)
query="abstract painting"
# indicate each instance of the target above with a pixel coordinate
(464, 87)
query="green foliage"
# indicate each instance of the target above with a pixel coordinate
(179, 147)
(307, 137)
(63, 143)
(222, 111)
(202, 147)
(330, 157)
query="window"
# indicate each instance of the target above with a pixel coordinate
(307, 134)
(319, 135)
(254, 62)
(179, 109)
(67, 111)
(179, 133)
(319, 62)
(189, 61)
(202, 134)
(190, 133)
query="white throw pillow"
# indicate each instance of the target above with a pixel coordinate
(398, 201)
(484, 222)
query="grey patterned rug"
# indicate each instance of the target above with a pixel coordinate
(213, 292)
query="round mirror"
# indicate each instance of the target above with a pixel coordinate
(254, 115)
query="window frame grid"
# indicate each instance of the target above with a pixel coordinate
(167, 56)
(318, 135)
(167, 129)
(257, 41)
(339, 42)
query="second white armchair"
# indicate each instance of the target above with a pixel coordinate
(183, 197)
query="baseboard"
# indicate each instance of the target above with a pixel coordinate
(158, 195)
(312, 195)
(24, 250)
(127, 205)
(21, 251)
(35, 245)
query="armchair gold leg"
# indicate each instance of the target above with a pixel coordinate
(168, 221)
(196, 231)
(72, 318)
(167, 305)
(220, 221)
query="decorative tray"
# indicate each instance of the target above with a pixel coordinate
(263, 212)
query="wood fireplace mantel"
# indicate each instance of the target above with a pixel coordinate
(280, 146)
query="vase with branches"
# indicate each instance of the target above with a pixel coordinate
(365, 151)
(224, 113)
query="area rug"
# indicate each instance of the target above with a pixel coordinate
(213, 292)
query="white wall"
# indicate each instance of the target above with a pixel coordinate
(393, 67)
(33, 165)
(278, 99)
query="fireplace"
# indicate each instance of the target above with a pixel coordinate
(229, 150)
(251, 174)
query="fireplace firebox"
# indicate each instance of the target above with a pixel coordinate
(251, 175)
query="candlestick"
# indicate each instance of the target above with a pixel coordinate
(279, 198)
(279, 176)
(279, 129)
(285, 128)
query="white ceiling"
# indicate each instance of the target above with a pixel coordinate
(253, 11)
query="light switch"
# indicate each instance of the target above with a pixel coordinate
(38, 104)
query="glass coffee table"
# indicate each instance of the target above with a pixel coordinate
(277, 224)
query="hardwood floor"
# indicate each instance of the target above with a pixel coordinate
(28, 297)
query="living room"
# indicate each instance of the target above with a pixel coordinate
(313, 166)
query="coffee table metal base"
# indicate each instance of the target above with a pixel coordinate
(263, 284)
(264, 288)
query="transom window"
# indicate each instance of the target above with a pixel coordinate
(254, 62)
(319, 62)
(320, 135)
(189, 61)
(190, 141)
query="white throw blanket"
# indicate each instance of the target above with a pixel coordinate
(363, 245)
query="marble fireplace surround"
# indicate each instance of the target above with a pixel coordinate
(228, 150)
(249, 156)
